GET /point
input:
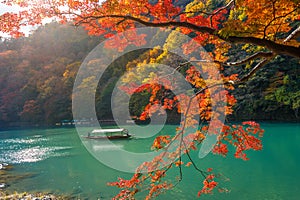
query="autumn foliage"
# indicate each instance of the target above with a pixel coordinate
(264, 28)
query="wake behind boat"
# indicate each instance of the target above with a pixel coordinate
(108, 134)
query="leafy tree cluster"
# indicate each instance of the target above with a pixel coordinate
(272, 94)
(261, 33)
(38, 72)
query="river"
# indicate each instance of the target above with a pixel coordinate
(58, 162)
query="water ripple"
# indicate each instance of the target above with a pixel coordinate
(30, 149)
(32, 154)
(24, 140)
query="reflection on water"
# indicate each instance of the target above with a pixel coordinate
(32, 154)
(29, 140)
(106, 147)
(29, 149)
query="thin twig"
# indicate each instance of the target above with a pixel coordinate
(193, 163)
(275, 18)
(236, 63)
(230, 4)
(253, 71)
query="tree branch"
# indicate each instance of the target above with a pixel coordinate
(230, 4)
(236, 63)
(293, 34)
(202, 29)
(210, 14)
(249, 58)
(275, 47)
(275, 18)
(267, 56)
(253, 71)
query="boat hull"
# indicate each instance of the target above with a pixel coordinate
(113, 137)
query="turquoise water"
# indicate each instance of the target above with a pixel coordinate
(59, 163)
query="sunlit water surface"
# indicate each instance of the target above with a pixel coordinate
(59, 163)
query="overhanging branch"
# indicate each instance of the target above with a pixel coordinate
(273, 46)
(236, 63)
(293, 34)
(249, 58)
(253, 71)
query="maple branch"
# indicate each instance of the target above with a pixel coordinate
(230, 82)
(254, 56)
(249, 58)
(211, 14)
(203, 29)
(278, 17)
(266, 58)
(180, 168)
(293, 34)
(193, 163)
(275, 47)
(247, 76)
(230, 4)
(253, 71)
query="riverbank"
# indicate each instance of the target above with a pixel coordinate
(7, 177)
(4, 195)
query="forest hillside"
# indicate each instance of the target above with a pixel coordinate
(37, 75)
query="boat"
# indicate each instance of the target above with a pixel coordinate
(111, 134)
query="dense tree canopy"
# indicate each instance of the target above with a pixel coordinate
(261, 30)
(24, 82)
(270, 24)
(37, 74)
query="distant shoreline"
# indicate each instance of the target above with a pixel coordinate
(45, 126)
